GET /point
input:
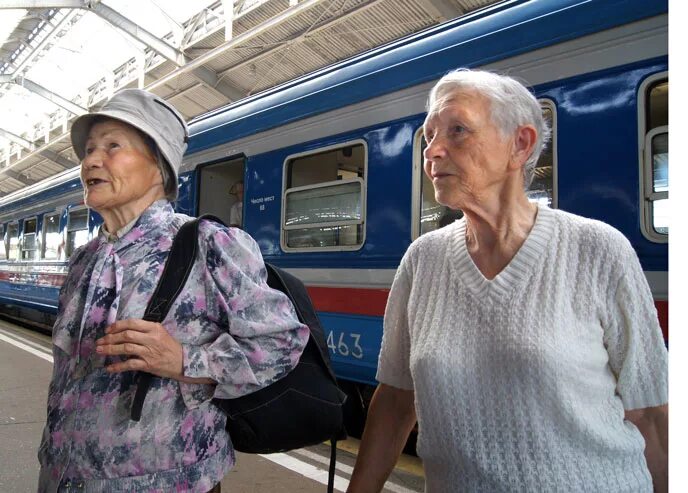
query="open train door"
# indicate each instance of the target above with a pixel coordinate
(221, 190)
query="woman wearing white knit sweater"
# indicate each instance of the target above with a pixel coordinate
(524, 339)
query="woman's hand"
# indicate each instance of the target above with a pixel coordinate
(147, 346)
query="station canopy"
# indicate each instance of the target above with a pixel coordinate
(63, 58)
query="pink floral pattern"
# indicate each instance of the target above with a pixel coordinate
(233, 328)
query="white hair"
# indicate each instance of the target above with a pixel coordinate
(511, 103)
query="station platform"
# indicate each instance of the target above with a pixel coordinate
(25, 370)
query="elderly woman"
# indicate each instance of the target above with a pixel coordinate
(524, 339)
(226, 335)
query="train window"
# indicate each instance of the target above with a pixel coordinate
(77, 229)
(324, 199)
(654, 157)
(13, 241)
(3, 250)
(28, 243)
(429, 215)
(52, 239)
(433, 215)
(541, 189)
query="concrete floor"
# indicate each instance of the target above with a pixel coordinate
(25, 370)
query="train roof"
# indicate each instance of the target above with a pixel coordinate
(494, 33)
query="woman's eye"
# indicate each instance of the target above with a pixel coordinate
(89, 150)
(458, 129)
(113, 145)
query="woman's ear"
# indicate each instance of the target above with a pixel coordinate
(524, 143)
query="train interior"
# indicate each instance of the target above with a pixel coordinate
(217, 184)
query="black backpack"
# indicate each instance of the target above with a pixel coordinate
(303, 408)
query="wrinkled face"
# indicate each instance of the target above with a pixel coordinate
(466, 155)
(118, 168)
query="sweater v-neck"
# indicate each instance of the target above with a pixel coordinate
(526, 258)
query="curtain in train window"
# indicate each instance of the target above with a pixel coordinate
(433, 215)
(52, 239)
(77, 230)
(29, 244)
(13, 241)
(325, 199)
(541, 188)
(3, 249)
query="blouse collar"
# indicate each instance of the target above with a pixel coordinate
(152, 219)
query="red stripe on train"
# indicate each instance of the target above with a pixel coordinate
(372, 302)
(663, 316)
(355, 301)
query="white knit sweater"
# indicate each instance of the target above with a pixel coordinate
(521, 382)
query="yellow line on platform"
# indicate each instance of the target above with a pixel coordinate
(407, 463)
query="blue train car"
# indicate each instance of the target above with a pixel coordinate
(332, 169)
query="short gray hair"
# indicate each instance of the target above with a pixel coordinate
(512, 105)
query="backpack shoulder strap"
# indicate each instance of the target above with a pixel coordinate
(298, 295)
(177, 269)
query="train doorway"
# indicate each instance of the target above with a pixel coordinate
(221, 190)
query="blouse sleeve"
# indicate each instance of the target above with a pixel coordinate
(263, 339)
(393, 366)
(634, 341)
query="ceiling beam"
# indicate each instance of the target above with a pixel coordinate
(204, 74)
(304, 34)
(57, 158)
(43, 92)
(20, 141)
(446, 9)
(44, 43)
(41, 151)
(16, 176)
(46, 153)
(42, 4)
(237, 41)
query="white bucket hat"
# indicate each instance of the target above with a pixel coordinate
(150, 114)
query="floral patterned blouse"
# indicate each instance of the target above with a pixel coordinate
(233, 329)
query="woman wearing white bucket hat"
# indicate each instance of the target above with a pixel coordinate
(226, 335)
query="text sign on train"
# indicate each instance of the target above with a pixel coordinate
(262, 201)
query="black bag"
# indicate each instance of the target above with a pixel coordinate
(303, 408)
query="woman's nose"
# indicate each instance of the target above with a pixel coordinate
(93, 159)
(435, 148)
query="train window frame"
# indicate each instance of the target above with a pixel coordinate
(71, 211)
(647, 196)
(417, 167)
(24, 236)
(44, 241)
(286, 191)
(9, 242)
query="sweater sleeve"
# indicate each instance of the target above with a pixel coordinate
(261, 338)
(394, 361)
(634, 341)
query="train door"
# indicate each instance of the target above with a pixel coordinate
(221, 190)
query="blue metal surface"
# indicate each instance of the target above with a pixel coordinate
(52, 193)
(38, 297)
(597, 128)
(388, 214)
(354, 343)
